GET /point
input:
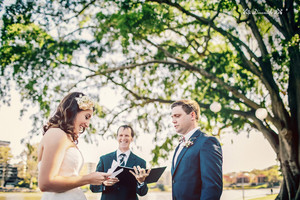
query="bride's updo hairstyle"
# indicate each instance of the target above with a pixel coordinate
(66, 112)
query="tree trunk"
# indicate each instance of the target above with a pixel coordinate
(287, 183)
(288, 157)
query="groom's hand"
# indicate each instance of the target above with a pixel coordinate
(140, 173)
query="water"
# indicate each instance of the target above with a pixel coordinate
(227, 195)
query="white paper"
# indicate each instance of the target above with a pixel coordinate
(113, 167)
(116, 173)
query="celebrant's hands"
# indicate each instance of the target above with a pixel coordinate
(140, 173)
(110, 181)
(97, 178)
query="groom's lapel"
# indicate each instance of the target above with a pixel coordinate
(183, 151)
(172, 167)
(180, 157)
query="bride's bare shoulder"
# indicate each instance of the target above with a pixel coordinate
(54, 138)
(55, 133)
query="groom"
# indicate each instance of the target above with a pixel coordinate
(197, 161)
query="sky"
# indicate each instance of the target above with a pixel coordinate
(240, 152)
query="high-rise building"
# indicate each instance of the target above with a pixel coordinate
(8, 173)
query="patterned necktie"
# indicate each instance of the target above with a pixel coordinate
(122, 159)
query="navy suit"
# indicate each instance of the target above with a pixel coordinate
(198, 170)
(120, 190)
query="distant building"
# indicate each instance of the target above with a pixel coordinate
(261, 179)
(229, 179)
(4, 143)
(8, 173)
(11, 175)
(242, 179)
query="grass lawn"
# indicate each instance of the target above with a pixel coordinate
(269, 197)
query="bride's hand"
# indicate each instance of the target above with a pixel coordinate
(98, 178)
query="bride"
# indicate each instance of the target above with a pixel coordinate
(59, 157)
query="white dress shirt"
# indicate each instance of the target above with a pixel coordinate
(181, 145)
(127, 153)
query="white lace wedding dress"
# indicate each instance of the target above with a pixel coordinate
(70, 166)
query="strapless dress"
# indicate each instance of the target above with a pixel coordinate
(71, 166)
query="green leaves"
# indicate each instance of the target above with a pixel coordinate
(153, 53)
(162, 151)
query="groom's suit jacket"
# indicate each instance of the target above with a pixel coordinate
(197, 173)
(120, 190)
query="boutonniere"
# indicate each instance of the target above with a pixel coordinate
(190, 142)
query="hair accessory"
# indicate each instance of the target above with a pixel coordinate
(84, 103)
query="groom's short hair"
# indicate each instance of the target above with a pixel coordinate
(188, 106)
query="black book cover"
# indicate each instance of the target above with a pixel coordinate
(126, 176)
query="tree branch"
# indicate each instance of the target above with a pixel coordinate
(138, 97)
(232, 38)
(280, 110)
(239, 20)
(111, 121)
(200, 54)
(209, 23)
(75, 65)
(79, 29)
(114, 69)
(208, 75)
(269, 134)
(271, 20)
(78, 13)
(255, 31)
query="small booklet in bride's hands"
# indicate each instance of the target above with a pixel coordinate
(126, 176)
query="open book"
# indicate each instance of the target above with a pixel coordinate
(123, 173)
(153, 177)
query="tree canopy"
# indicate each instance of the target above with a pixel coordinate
(241, 54)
